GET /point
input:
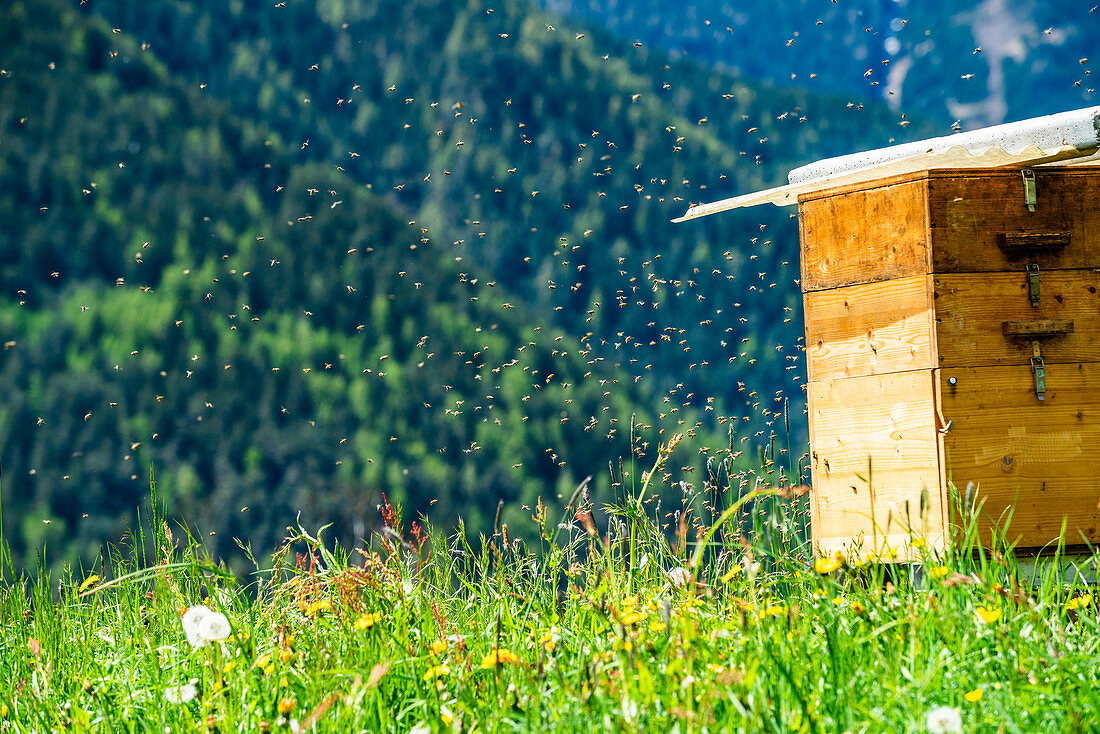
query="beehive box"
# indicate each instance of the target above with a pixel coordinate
(953, 336)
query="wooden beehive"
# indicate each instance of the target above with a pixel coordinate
(953, 336)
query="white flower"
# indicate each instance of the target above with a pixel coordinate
(180, 694)
(944, 720)
(214, 626)
(191, 620)
(202, 625)
(679, 577)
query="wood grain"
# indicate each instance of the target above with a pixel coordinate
(971, 310)
(1036, 328)
(864, 236)
(875, 451)
(870, 329)
(1040, 458)
(972, 213)
(1022, 242)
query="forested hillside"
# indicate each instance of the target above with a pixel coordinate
(296, 258)
(970, 64)
(552, 157)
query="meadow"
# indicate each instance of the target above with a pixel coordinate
(605, 620)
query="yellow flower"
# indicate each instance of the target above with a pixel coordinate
(368, 620)
(634, 618)
(938, 572)
(828, 564)
(317, 607)
(286, 655)
(549, 640)
(499, 657)
(774, 610)
(263, 661)
(973, 696)
(88, 582)
(229, 667)
(918, 542)
(730, 575)
(1079, 602)
(435, 672)
(285, 706)
(438, 647)
(988, 615)
(656, 626)
(858, 609)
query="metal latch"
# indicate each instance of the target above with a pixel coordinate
(1037, 371)
(1029, 189)
(1033, 284)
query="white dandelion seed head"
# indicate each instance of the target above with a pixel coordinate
(944, 720)
(214, 626)
(192, 620)
(181, 694)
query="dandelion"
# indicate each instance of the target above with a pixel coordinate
(438, 647)
(436, 671)
(446, 715)
(944, 720)
(634, 617)
(499, 657)
(88, 583)
(730, 575)
(773, 610)
(988, 615)
(973, 696)
(1079, 602)
(938, 572)
(214, 626)
(264, 663)
(201, 625)
(828, 564)
(181, 694)
(368, 620)
(285, 706)
(548, 640)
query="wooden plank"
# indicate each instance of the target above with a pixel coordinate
(864, 236)
(1033, 241)
(869, 329)
(971, 214)
(1037, 328)
(971, 310)
(1030, 515)
(899, 547)
(1039, 458)
(874, 453)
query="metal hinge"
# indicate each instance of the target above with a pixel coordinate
(1033, 284)
(1037, 371)
(1029, 189)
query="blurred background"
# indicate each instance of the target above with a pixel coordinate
(295, 257)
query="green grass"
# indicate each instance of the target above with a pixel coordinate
(580, 629)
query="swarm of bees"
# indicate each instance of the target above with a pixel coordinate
(671, 329)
